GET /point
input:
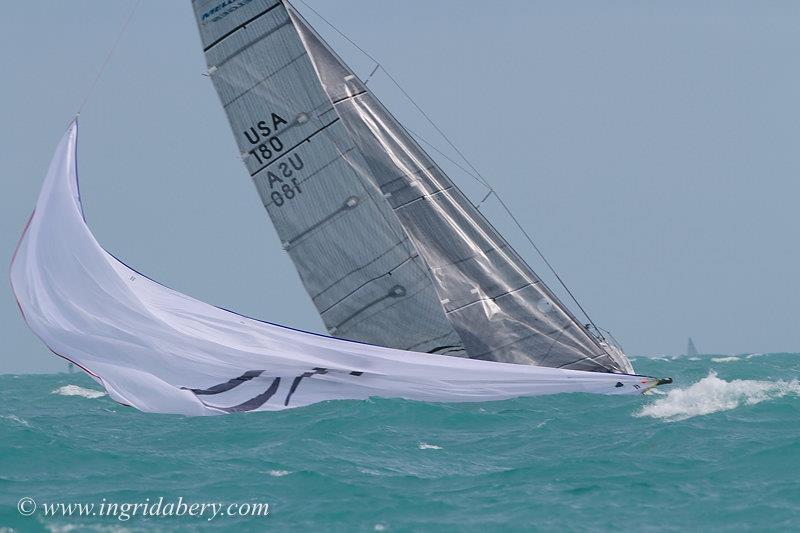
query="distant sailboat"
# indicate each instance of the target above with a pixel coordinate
(427, 300)
(690, 348)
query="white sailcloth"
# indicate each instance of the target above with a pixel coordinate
(161, 351)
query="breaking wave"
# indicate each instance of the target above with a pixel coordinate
(712, 394)
(725, 359)
(75, 390)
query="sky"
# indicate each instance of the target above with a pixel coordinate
(650, 149)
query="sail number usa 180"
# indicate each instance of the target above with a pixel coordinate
(267, 145)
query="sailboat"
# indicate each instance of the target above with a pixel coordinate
(422, 297)
(690, 348)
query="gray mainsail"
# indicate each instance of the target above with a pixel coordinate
(469, 286)
(353, 257)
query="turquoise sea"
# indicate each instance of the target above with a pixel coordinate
(717, 451)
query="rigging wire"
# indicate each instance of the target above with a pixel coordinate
(476, 174)
(108, 56)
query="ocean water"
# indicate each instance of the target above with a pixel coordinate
(718, 450)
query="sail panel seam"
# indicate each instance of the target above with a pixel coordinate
(364, 284)
(365, 265)
(425, 196)
(239, 27)
(399, 301)
(548, 335)
(490, 298)
(340, 100)
(220, 64)
(343, 208)
(307, 139)
(316, 172)
(292, 61)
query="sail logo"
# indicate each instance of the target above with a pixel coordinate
(259, 400)
(213, 12)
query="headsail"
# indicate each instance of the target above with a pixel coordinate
(500, 309)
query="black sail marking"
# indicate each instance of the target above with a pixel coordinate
(288, 151)
(256, 402)
(442, 349)
(230, 384)
(397, 291)
(239, 27)
(264, 397)
(349, 204)
(299, 378)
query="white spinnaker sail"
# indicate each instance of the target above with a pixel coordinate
(161, 351)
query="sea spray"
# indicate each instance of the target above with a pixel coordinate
(712, 394)
(75, 390)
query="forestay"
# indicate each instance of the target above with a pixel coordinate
(499, 307)
(162, 351)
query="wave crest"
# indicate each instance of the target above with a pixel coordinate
(730, 359)
(75, 390)
(712, 394)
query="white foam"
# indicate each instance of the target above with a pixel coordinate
(75, 390)
(380, 527)
(712, 394)
(278, 473)
(725, 359)
(17, 419)
(426, 446)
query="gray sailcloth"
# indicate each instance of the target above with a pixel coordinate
(390, 250)
(353, 256)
